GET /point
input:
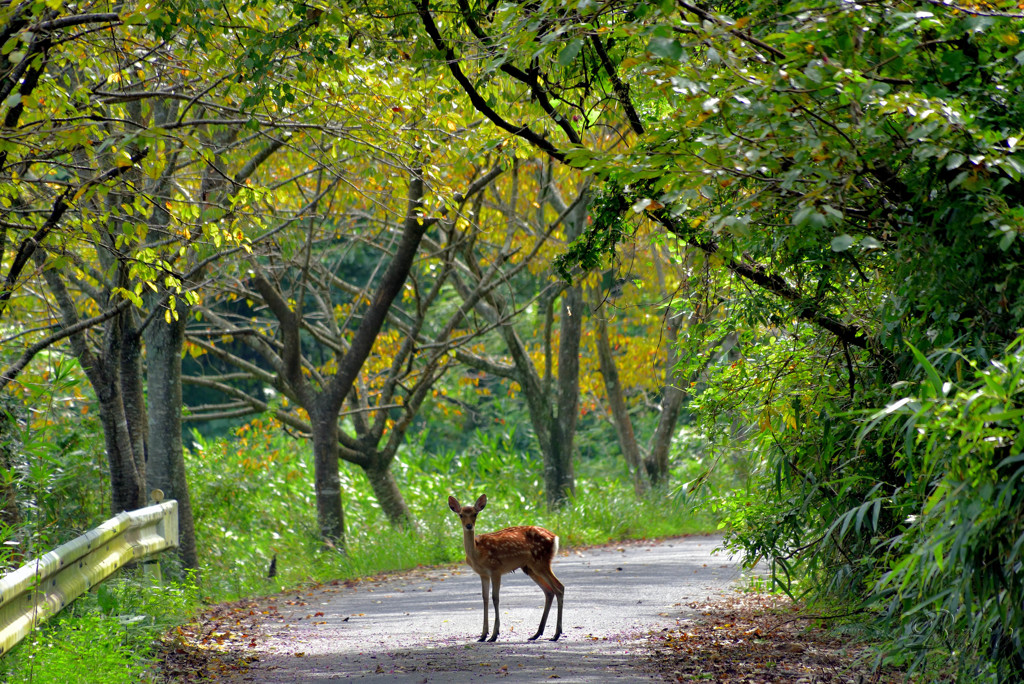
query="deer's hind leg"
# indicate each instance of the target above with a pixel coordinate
(560, 594)
(552, 588)
(549, 593)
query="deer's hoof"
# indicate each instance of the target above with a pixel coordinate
(483, 638)
(534, 637)
(555, 638)
(494, 637)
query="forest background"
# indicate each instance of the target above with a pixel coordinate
(308, 268)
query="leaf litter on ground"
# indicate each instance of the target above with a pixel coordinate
(206, 648)
(754, 638)
(213, 646)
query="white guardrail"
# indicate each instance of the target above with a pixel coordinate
(40, 588)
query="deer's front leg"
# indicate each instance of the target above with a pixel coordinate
(496, 582)
(485, 585)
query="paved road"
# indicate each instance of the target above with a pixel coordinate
(422, 627)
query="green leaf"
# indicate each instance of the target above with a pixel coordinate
(801, 214)
(929, 369)
(879, 416)
(842, 243)
(1005, 415)
(570, 51)
(1007, 240)
(1013, 168)
(669, 48)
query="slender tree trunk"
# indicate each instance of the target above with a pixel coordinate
(559, 476)
(165, 469)
(617, 402)
(672, 397)
(553, 409)
(327, 478)
(656, 463)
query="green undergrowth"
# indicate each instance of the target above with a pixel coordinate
(253, 502)
(108, 636)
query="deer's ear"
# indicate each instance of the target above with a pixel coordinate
(481, 502)
(453, 504)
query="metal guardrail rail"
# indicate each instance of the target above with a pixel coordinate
(41, 587)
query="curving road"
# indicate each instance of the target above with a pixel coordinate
(421, 627)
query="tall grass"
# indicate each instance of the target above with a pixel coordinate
(253, 500)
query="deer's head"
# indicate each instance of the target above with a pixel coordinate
(467, 514)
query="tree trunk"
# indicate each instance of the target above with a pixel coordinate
(327, 478)
(672, 399)
(656, 463)
(385, 489)
(10, 516)
(323, 407)
(127, 488)
(165, 468)
(671, 405)
(133, 397)
(103, 369)
(553, 410)
(559, 477)
(617, 402)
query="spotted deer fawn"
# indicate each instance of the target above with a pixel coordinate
(492, 555)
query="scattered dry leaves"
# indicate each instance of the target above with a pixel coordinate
(213, 646)
(755, 639)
